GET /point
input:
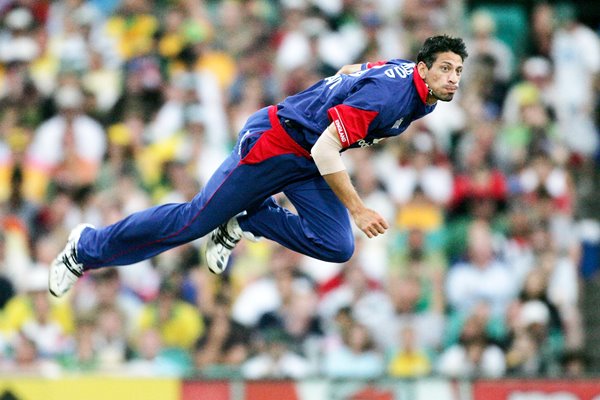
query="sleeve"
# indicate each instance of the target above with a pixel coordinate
(326, 153)
(369, 65)
(353, 117)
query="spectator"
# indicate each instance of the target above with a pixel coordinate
(535, 85)
(152, 358)
(253, 87)
(111, 340)
(371, 306)
(132, 28)
(474, 355)
(535, 131)
(224, 347)
(26, 360)
(84, 357)
(475, 359)
(123, 155)
(297, 317)
(552, 204)
(483, 42)
(576, 57)
(48, 325)
(543, 24)
(69, 147)
(107, 292)
(161, 88)
(180, 325)
(18, 44)
(421, 171)
(271, 291)
(414, 307)
(275, 360)
(532, 351)
(374, 193)
(481, 277)
(355, 358)
(478, 322)
(574, 364)
(419, 259)
(545, 177)
(409, 361)
(535, 288)
(480, 193)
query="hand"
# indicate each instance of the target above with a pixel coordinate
(370, 222)
(349, 69)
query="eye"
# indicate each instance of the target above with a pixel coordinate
(445, 68)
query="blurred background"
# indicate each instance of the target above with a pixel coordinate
(489, 269)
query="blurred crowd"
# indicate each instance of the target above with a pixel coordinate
(110, 106)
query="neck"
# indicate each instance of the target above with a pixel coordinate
(431, 99)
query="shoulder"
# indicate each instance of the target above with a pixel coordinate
(394, 76)
(386, 80)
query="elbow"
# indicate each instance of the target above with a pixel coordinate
(316, 152)
(327, 157)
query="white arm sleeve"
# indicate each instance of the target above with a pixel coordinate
(326, 153)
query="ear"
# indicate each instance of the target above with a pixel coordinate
(422, 69)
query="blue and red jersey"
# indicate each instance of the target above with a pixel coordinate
(367, 106)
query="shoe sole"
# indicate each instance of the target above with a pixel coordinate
(72, 237)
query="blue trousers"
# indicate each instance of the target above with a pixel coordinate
(264, 162)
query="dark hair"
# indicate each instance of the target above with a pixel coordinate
(441, 44)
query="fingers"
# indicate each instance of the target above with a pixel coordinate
(376, 229)
(371, 223)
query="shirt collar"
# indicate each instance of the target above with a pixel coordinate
(420, 85)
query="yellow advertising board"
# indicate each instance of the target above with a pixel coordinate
(89, 388)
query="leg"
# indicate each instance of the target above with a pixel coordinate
(233, 188)
(146, 233)
(322, 228)
(263, 162)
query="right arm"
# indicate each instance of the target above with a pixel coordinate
(326, 154)
(349, 69)
(352, 68)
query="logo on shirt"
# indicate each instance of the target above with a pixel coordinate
(244, 136)
(333, 81)
(368, 143)
(341, 131)
(398, 123)
(400, 71)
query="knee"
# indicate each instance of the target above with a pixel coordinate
(341, 251)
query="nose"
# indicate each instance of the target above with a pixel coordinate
(453, 78)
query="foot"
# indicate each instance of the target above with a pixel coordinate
(65, 269)
(221, 243)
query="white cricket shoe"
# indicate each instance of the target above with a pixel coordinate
(65, 269)
(221, 243)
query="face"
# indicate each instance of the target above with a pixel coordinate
(443, 76)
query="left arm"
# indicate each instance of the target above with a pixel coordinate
(326, 154)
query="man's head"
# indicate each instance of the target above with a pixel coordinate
(440, 64)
